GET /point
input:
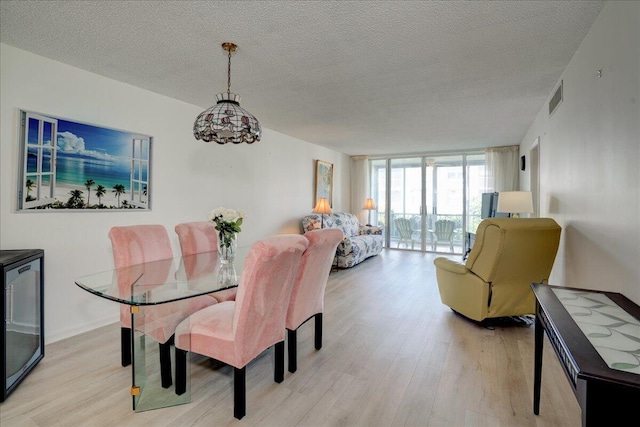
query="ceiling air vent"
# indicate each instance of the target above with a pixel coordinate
(556, 99)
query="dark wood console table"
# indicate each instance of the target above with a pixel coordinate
(606, 396)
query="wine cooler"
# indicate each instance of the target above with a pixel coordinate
(22, 336)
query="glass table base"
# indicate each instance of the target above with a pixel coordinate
(147, 390)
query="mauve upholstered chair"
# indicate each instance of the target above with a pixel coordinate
(236, 332)
(199, 237)
(137, 244)
(307, 296)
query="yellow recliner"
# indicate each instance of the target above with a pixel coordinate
(507, 256)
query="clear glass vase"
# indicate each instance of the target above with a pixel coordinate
(227, 275)
(227, 247)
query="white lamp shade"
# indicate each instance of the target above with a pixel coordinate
(369, 205)
(322, 206)
(515, 202)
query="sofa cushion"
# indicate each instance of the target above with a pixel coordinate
(370, 229)
(354, 250)
(344, 221)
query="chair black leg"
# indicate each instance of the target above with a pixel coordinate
(239, 392)
(125, 346)
(181, 371)
(165, 364)
(292, 346)
(318, 335)
(278, 369)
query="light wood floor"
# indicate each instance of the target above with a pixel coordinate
(393, 355)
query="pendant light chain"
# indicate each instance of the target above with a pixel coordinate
(229, 73)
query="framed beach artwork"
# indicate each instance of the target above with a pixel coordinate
(324, 181)
(71, 165)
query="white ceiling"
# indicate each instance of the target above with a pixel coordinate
(359, 77)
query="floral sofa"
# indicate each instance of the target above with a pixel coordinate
(360, 242)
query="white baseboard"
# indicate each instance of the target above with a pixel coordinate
(80, 329)
(23, 328)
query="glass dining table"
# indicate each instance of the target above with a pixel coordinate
(170, 281)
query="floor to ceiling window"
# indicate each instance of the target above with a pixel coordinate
(428, 203)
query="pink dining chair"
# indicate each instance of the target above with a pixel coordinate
(307, 296)
(198, 237)
(135, 245)
(236, 332)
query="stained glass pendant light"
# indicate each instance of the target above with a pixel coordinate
(227, 121)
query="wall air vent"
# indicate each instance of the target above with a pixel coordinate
(556, 99)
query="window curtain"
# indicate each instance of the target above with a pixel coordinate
(502, 168)
(359, 187)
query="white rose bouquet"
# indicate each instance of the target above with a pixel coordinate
(227, 223)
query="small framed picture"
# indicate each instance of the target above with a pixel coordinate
(324, 181)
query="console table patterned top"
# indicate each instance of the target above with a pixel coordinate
(613, 332)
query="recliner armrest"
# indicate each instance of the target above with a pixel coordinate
(450, 265)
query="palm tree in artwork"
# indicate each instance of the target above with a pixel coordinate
(119, 189)
(29, 184)
(75, 201)
(100, 192)
(90, 183)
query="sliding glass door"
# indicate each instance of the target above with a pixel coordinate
(406, 198)
(444, 185)
(428, 203)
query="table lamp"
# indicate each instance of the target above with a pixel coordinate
(369, 205)
(322, 207)
(515, 202)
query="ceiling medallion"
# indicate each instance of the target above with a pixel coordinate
(226, 121)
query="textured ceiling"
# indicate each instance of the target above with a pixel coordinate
(359, 77)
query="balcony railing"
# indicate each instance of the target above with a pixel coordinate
(415, 218)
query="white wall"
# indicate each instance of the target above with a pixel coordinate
(272, 180)
(590, 157)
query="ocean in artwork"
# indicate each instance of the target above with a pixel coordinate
(76, 170)
(90, 152)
